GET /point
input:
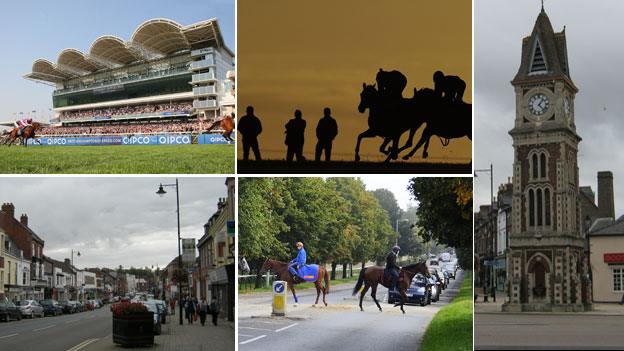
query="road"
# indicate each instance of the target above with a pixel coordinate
(339, 324)
(56, 333)
(574, 331)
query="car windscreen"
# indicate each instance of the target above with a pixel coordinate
(24, 303)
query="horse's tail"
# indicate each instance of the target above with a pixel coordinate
(326, 282)
(359, 283)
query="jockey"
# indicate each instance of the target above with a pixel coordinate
(22, 123)
(392, 267)
(299, 261)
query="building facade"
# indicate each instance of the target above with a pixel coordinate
(547, 268)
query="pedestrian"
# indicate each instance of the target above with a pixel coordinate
(326, 131)
(622, 301)
(190, 310)
(203, 310)
(214, 309)
(295, 131)
(250, 127)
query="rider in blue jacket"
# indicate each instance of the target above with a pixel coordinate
(299, 261)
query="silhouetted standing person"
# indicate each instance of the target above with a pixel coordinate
(326, 131)
(250, 127)
(295, 131)
(450, 88)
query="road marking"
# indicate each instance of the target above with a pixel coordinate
(290, 326)
(255, 328)
(8, 336)
(49, 326)
(248, 341)
(245, 335)
(83, 344)
(75, 320)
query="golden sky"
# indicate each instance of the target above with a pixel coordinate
(311, 54)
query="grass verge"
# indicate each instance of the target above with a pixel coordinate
(451, 328)
(118, 159)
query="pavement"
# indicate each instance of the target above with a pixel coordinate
(341, 323)
(186, 337)
(599, 309)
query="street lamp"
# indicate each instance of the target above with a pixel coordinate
(161, 192)
(490, 273)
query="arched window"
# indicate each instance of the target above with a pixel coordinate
(534, 167)
(539, 207)
(531, 208)
(542, 165)
(547, 206)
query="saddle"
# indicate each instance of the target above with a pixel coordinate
(387, 277)
(308, 273)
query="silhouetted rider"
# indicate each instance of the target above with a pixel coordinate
(250, 127)
(449, 88)
(326, 131)
(392, 266)
(391, 83)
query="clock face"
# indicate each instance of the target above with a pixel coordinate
(538, 104)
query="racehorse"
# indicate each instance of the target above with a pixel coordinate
(27, 133)
(374, 275)
(243, 266)
(281, 269)
(446, 120)
(227, 125)
(388, 118)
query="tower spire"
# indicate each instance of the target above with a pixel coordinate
(542, 5)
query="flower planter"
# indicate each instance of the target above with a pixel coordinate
(134, 329)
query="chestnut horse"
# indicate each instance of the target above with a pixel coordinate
(27, 133)
(227, 125)
(372, 276)
(281, 269)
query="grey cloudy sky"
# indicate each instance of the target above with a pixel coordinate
(595, 52)
(397, 184)
(113, 221)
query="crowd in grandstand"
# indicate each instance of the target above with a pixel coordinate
(169, 127)
(174, 107)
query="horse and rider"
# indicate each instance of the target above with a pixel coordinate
(297, 271)
(390, 114)
(392, 276)
(24, 129)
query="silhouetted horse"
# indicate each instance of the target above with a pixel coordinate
(227, 125)
(373, 276)
(281, 269)
(388, 118)
(27, 133)
(445, 120)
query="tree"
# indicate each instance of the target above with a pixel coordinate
(445, 212)
(388, 202)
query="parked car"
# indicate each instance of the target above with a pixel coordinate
(30, 308)
(163, 308)
(68, 307)
(435, 288)
(419, 292)
(51, 307)
(77, 306)
(99, 303)
(9, 311)
(154, 307)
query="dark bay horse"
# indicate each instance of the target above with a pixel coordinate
(447, 121)
(27, 133)
(373, 276)
(389, 117)
(281, 269)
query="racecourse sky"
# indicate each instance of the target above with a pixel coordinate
(309, 55)
(594, 35)
(113, 221)
(41, 29)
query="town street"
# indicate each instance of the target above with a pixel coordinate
(340, 323)
(56, 333)
(573, 331)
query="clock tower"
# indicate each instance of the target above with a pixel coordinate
(546, 264)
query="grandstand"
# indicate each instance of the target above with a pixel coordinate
(166, 78)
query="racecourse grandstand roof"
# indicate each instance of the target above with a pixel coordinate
(154, 38)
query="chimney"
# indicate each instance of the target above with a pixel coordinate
(605, 194)
(24, 220)
(9, 209)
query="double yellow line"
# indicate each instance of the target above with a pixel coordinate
(83, 344)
